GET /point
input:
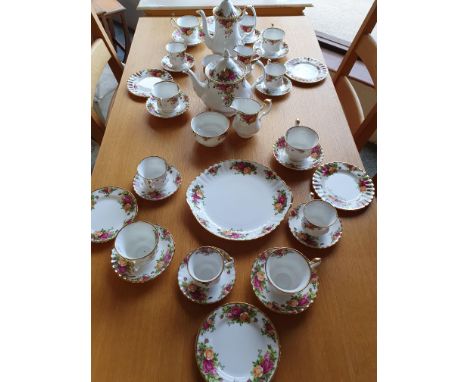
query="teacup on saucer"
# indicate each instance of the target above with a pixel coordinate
(287, 303)
(187, 63)
(163, 256)
(219, 273)
(198, 38)
(303, 234)
(182, 106)
(280, 53)
(313, 160)
(171, 185)
(283, 89)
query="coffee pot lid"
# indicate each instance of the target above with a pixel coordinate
(227, 70)
(226, 9)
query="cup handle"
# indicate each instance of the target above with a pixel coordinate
(311, 196)
(314, 263)
(266, 108)
(228, 260)
(254, 14)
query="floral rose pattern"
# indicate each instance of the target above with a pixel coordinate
(208, 361)
(248, 118)
(225, 91)
(268, 330)
(258, 278)
(270, 175)
(316, 152)
(329, 169)
(264, 366)
(244, 168)
(94, 198)
(231, 234)
(226, 75)
(208, 324)
(281, 143)
(213, 170)
(128, 202)
(239, 314)
(103, 234)
(197, 195)
(187, 31)
(194, 291)
(280, 201)
(246, 28)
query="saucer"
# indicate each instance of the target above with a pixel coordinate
(306, 70)
(282, 90)
(280, 154)
(181, 108)
(323, 241)
(188, 63)
(141, 83)
(272, 56)
(112, 208)
(178, 38)
(206, 295)
(171, 185)
(274, 301)
(164, 255)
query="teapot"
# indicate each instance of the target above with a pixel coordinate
(227, 32)
(246, 123)
(225, 80)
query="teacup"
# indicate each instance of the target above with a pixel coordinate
(274, 72)
(246, 55)
(176, 53)
(300, 141)
(289, 271)
(152, 173)
(209, 59)
(206, 264)
(247, 24)
(167, 95)
(210, 128)
(187, 25)
(318, 217)
(135, 246)
(272, 39)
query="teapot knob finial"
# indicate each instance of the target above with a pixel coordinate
(226, 53)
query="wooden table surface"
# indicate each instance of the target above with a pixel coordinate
(185, 7)
(146, 332)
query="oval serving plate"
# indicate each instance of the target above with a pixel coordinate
(239, 200)
(306, 70)
(343, 185)
(111, 209)
(141, 82)
(237, 343)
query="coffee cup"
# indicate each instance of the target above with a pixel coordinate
(167, 95)
(289, 271)
(246, 55)
(176, 53)
(152, 173)
(300, 141)
(206, 264)
(135, 246)
(318, 216)
(272, 39)
(188, 27)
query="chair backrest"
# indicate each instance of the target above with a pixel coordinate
(99, 58)
(364, 48)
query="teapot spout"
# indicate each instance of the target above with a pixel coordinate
(208, 37)
(199, 86)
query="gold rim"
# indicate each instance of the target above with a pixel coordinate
(144, 257)
(162, 270)
(257, 237)
(226, 256)
(294, 312)
(132, 219)
(252, 306)
(294, 250)
(217, 250)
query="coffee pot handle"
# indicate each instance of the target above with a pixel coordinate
(262, 67)
(314, 263)
(266, 108)
(174, 23)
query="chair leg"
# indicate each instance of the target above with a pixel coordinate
(97, 128)
(126, 35)
(367, 128)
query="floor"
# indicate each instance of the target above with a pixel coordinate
(107, 83)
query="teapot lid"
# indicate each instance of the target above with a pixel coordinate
(226, 9)
(226, 70)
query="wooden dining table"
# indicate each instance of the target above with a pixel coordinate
(146, 332)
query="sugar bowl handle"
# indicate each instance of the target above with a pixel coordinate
(262, 67)
(314, 263)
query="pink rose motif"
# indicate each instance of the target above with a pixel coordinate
(267, 364)
(304, 300)
(257, 284)
(208, 366)
(207, 324)
(235, 312)
(282, 199)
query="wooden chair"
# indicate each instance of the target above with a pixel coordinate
(102, 53)
(363, 47)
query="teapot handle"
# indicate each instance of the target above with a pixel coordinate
(266, 108)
